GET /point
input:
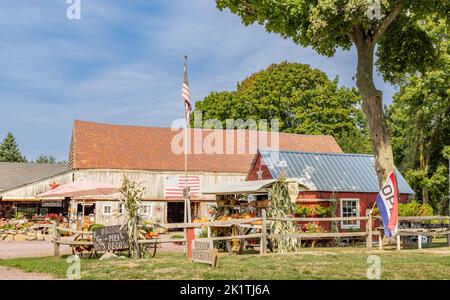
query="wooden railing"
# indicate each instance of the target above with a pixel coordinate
(368, 232)
(404, 233)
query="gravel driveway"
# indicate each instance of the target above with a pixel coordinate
(16, 249)
(16, 274)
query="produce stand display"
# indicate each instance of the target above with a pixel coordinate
(237, 206)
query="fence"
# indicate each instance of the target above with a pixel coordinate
(368, 232)
(264, 236)
(404, 233)
(57, 241)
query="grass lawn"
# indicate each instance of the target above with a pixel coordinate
(319, 263)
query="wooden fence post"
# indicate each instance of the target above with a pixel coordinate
(55, 239)
(263, 232)
(398, 242)
(380, 241)
(369, 238)
(419, 242)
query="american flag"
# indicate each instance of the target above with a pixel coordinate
(186, 95)
(174, 185)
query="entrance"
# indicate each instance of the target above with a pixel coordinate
(175, 212)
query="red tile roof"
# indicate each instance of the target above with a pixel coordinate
(105, 146)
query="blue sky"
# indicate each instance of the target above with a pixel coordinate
(123, 63)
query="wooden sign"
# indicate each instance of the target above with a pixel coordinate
(203, 252)
(110, 238)
(51, 203)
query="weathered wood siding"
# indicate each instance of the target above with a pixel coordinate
(35, 188)
(153, 181)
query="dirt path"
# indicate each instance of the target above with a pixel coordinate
(7, 273)
(15, 249)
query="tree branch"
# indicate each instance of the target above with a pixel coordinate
(388, 20)
(357, 35)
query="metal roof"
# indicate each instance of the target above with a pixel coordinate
(329, 171)
(256, 186)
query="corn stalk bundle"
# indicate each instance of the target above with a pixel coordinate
(131, 197)
(282, 207)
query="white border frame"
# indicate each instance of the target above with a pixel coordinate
(358, 211)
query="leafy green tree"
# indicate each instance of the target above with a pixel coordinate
(403, 47)
(304, 100)
(420, 120)
(45, 159)
(9, 151)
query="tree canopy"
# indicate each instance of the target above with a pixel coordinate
(420, 121)
(303, 99)
(9, 151)
(403, 47)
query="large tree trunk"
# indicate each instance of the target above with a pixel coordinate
(373, 108)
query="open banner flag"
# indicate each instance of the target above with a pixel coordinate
(387, 203)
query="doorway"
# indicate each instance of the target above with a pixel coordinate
(175, 212)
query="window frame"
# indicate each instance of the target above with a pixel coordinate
(358, 213)
(149, 209)
(110, 209)
(120, 208)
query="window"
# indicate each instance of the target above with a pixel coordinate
(121, 209)
(107, 210)
(349, 208)
(146, 209)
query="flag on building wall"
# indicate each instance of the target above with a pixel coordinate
(174, 185)
(387, 203)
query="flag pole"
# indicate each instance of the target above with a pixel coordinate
(186, 129)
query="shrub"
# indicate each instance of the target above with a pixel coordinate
(322, 211)
(312, 211)
(414, 208)
(303, 210)
(95, 226)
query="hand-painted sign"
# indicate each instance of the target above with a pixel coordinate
(110, 238)
(203, 252)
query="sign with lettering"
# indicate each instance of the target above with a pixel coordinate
(110, 238)
(203, 252)
(51, 203)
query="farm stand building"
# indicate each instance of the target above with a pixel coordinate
(13, 175)
(104, 153)
(349, 179)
